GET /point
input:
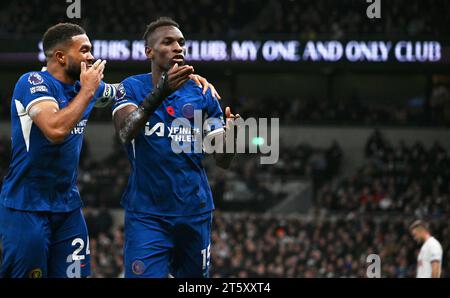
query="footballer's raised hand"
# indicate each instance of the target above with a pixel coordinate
(203, 83)
(176, 77)
(91, 76)
(230, 117)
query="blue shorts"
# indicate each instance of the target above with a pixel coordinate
(158, 245)
(43, 244)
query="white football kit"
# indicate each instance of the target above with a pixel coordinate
(431, 251)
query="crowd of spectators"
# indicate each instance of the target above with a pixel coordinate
(305, 18)
(251, 245)
(396, 184)
(313, 111)
(254, 245)
(246, 185)
(5, 155)
(402, 179)
(250, 185)
(321, 111)
(105, 242)
(395, 179)
(101, 182)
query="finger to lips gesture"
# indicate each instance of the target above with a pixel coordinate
(90, 77)
(178, 75)
(230, 117)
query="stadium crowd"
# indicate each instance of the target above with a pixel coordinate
(5, 154)
(303, 18)
(367, 212)
(106, 243)
(394, 179)
(350, 111)
(405, 182)
(354, 110)
(255, 245)
(247, 185)
(320, 111)
(252, 244)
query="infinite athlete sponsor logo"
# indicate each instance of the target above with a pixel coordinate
(176, 133)
(184, 134)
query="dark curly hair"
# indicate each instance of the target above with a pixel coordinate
(58, 34)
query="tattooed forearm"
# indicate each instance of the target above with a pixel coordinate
(130, 125)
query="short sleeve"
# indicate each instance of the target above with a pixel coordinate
(215, 121)
(124, 96)
(33, 88)
(435, 252)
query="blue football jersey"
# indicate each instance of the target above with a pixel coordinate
(42, 176)
(163, 181)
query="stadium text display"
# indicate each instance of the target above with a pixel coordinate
(353, 51)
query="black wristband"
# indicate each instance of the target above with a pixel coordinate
(154, 99)
(151, 102)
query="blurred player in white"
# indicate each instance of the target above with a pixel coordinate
(429, 261)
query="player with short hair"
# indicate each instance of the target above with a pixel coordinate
(430, 257)
(43, 230)
(42, 227)
(168, 202)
